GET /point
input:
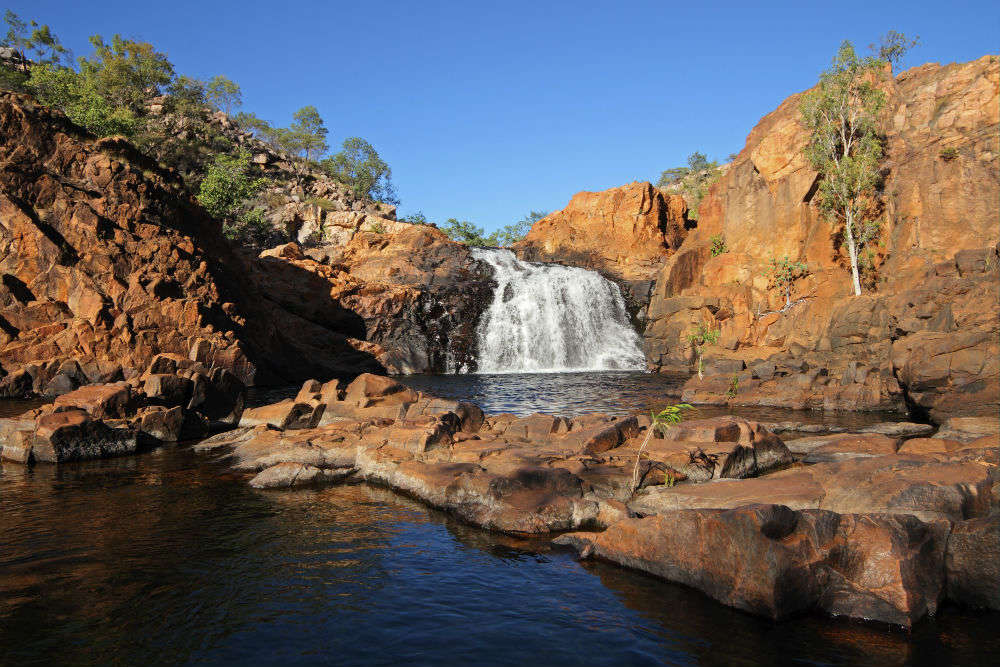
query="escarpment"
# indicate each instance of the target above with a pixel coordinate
(924, 335)
(107, 261)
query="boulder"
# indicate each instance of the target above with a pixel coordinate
(705, 449)
(973, 564)
(99, 400)
(916, 485)
(287, 475)
(775, 562)
(167, 389)
(842, 446)
(161, 424)
(71, 435)
(287, 414)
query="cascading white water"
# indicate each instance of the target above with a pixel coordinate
(548, 318)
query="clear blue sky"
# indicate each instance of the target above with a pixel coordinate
(488, 110)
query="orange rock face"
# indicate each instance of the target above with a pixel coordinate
(928, 319)
(107, 262)
(625, 233)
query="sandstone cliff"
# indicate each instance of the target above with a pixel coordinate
(107, 261)
(926, 332)
(625, 233)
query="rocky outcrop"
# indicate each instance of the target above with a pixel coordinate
(174, 399)
(924, 337)
(776, 562)
(414, 292)
(625, 233)
(865, 536)
(107, 262)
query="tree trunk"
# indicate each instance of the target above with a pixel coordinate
(852, 249)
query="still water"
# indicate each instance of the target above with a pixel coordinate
(164, 559)
(167, 558)
(612, 392)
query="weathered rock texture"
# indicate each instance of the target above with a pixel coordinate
(107, 262)
(624, 233)
(864, 537)
(925, 334)
(174, 399)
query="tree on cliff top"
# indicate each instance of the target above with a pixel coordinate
(360, 167)
(845, 146)
(691, 181)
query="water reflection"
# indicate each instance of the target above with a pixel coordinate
(156, 559)
(612, 392)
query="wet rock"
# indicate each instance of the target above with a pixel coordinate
(161, 424)
(17, 440)
(973, 565)
(288, 475)
(772, 561)
(71, 435)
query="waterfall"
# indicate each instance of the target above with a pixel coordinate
(548, 318)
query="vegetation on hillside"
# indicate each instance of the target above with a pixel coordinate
(691, 181)
(129, 88)
(471, 234)
(846, 145)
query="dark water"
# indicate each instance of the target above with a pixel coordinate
(163, 559)
(612, 392)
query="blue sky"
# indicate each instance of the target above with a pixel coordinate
(486, 111)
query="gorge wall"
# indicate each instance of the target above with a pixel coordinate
(924, 335)
(107, 261)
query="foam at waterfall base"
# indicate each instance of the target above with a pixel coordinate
(549, 318)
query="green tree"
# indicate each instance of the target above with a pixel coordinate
(417, 218)
(125, 72)
(305, 137)
(35, 42)
(466, 232)
(227, 184)
(80, 99)
(32, 42)
(691, 181)
(187, 96)
(223, 94)
(893, 46)
(360, 167)
(225, 190)
(511, 234)
(659, 421)
(845, 146)
(783, 272)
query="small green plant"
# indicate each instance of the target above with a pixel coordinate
(377, 227)
(783, 272)
(698, 339)
(734, 386)
(668, 416)
(719, 245)
(948, 154)
(669, 478)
